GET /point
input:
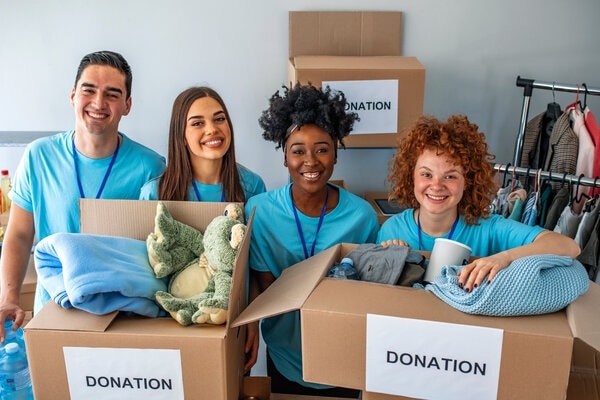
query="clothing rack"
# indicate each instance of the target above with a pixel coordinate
(528, 85)
(549, 175)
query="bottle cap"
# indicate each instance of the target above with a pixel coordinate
(347, 260)
(11, 348)
(4, 172)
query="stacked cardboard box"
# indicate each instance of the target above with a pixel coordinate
(359, 53)
(74, 354)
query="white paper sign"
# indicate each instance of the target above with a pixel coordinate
(375, 102)
(432, 360)
(123, 374)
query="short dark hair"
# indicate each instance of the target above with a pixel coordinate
(109, 58)
(303, 105)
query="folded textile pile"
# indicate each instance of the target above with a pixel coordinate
(98, 274)
(530, 285)
(376, 263)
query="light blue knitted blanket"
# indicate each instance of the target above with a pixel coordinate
(531, 285)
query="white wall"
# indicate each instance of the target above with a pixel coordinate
(472, 50)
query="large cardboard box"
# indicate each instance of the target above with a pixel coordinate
(387, 92)
(74, 354)
(359, 53)
(535, 352)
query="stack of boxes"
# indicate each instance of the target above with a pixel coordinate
(359, 53)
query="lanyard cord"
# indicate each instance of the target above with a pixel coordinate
(299, 226)
(197, 191)
(110, 166)
(420, 234)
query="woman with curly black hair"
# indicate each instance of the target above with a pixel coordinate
(442, 171)
(304, 217)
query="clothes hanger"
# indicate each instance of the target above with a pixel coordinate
(553, 111)
(576, 197)
(504, 183)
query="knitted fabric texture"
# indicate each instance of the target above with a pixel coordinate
(531, 285)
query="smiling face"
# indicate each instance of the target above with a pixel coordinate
(100, 100)
(439, 183)
(310, 157)
(207, 131)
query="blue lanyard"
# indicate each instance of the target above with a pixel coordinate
(420, 234)
(197, 191)
(110, 166)
(299, 226)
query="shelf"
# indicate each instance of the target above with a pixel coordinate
(21, 138)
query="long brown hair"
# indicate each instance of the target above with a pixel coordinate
(178, 176)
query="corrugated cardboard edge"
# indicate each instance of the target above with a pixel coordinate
(291, 289)
(582, 315)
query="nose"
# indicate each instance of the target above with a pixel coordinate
(99, 100)
(309, 158)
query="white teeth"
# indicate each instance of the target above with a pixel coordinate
(311, 175)
(96, 115)
(211, 142)
(436, 197)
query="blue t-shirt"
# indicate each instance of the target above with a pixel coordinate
(490, 236)
(45, 183)
(252, 184)
(276, 245)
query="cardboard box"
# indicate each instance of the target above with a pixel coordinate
(535, 352)
(345, 33)
(387, 92)
(202, 361)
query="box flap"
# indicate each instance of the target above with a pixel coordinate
(54, 317)
(582, 315)
(291, 289)
(345, 33)
(135, 218)
(357, 63)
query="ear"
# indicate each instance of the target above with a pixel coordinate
(127, 106)
(72, 96)
(284, 160)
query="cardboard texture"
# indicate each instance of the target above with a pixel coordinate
(535, 357)
(212, 357)
(352, 46)
(408, 71)
(345, 33)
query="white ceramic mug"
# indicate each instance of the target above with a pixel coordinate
(446, 252)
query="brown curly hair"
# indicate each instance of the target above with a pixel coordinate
(459, 139)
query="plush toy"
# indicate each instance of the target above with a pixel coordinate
(199, 286)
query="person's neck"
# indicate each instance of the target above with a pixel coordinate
(206, 171)
(435, 224)
(96, 146)
(311, 203)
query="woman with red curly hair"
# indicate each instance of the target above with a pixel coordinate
(442, 172)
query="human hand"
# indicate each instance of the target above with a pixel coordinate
(10, 311)
(251, 347)
(473, 274)
(397, 242)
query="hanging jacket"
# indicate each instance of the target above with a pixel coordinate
(563, 150)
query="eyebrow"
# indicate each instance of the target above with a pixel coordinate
(314, 144)
(109, 89)
(456, 170)
(202, 116)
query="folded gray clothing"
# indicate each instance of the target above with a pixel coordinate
(376, 263)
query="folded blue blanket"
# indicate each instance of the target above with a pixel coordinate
(530, 285)
(98, 274)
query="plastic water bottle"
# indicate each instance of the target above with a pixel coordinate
(15, 381)
(344, 270)
(6, 186)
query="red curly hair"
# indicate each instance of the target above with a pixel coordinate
(460, 140)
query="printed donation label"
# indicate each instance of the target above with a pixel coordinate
(432, 360)
(375, 102)
(123, 374)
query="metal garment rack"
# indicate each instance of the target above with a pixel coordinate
(528, 85)
(573, 180)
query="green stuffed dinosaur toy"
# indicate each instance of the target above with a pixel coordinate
(199, 286)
